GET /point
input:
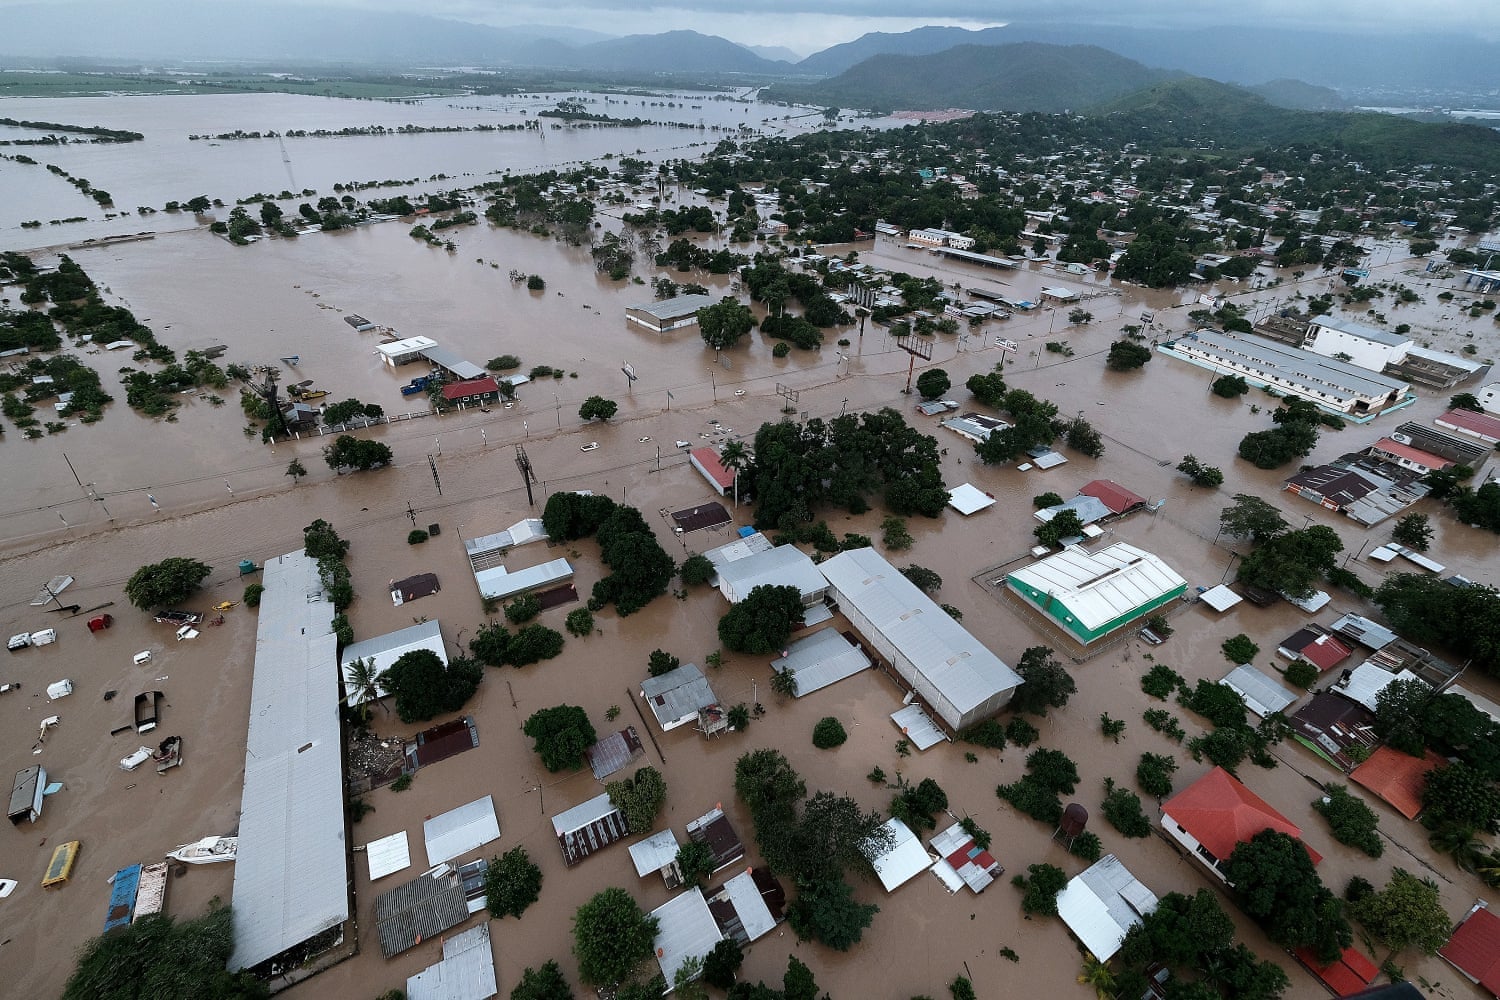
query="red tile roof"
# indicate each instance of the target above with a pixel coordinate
(1397, 778)
(473, 387)
(1481, 425)
(1114, 496)
(1423, 458)
(1350, 974)
(1220, 812)
(1325, 652)
(709, 464)
(1474, 949)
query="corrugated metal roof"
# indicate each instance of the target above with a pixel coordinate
(821, 659)
(459, 831)
(655, 852)
(1304, 370)
(1367, 633)
(1089, 509)
(451, 361)
(1474, 948)
(677, 694)
(917, 727)
(1360, 330)
(744, 895)
(1098, 587)
(676, 308)
(500, 583)
(583, 814)
(1262, 695)
(290, 879)
(1366, 681)
(740, 548)
(411, 345)
(782, 566)
(904, 860)
(467, 971)
(685, 929)
(969, 499)
(1102, 903)
(417, 910)
(386, 649)
(388, 855)
(946, 656)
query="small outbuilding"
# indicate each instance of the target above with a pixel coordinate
(962, 862)
(686, 930)
(1260, 693)
(383, 651)
(706, 461)
(459, 831)
(1102, 903)
(677, 696)
(825, 657)
(903, 860)
(419, 910)
(969, 499)
(666, 315)
(589, 827)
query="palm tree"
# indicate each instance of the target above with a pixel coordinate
(362, 682)
(1096, 974)
(734, 456)
(1459, 842)
(784, 683)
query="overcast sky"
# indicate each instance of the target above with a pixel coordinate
(806, 26)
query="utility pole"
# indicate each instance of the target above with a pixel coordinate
(528, 476)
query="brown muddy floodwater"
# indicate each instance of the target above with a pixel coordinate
(289, 297)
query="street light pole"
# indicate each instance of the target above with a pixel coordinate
(844, 407)
(715, 383)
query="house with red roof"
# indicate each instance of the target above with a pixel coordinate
(472, 392)
(1407, 456)
(1474, 948)
(1349, 975)
(1315, 645)
(1477, 425)
(706, 461)
(1397, 779)
(1217, 812)
(1117, 498)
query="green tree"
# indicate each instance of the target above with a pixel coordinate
(612, 936)
(423, 687)
(580, 622)
(722, 962)
(1180, 931)
(933, 382)
(1465, 401)
(927, 581)
(661, 662)
(724, 323)
(362, 681)
(512, 882)
(1200, 474)
(639, 797)
(1239, 648)
(763, 621)
(1275, 881)
(1230, 386)
(894, 535)
(161, 957)
(349, 452)
(1253, 518)
(1045, 683)
(598, 407)
(696, 862)
(560, 735)
(697, 569)
(1126, 355)
(1122, 808)
(1040, 886)
(1413, 531)
(1293, 563)
(532, 644)
(1154, 774)
(826, 911)
(491, 644)
(828, 733)
(1351, 821)
(988, 389)
(1064, 524)
(546, 983)
(170, 581)
(296, 470)
(349, 409)
(914, 805)
(1460, 795)
(1407, 913)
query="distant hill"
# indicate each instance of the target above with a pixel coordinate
(1300, 96)
(917, 42)
(558, 33)
(1024, 77)
(775, 53)
(674, 51)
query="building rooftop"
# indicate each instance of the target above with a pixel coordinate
(1261, 694)
(1396, 778)
(1098, 587)
(1474, 948)
(467, 971)
(676, 308)
(1294, 366)
(781, 566)
(459, 831)
(384, 650)
(1220, 812)
(1360, 330)
(1116, 497)
(1101, 903)
(678, 693)
(470, 387)
(1480, 425)
(903, 861)
(418, 911)
(686, 929)
(290, 873)
(825, 657)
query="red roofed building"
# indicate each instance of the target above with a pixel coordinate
(472, 391)
(1114, 496)
(1397, 778)
(1408, 457)
(1349, 975)
(1479, 425)
(1217, 812)
(706, 461)
(1316, 646)
(1474, 948)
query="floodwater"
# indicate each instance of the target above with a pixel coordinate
(223, 497)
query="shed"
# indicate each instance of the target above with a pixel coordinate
(383, 651)
(969, 499)
(1474, 948)
(589, 827)
(658, 854)
(1346, 976)
(956, 675)
(714, 829)
(1101, 904)
(26, 795)
(969, 863)
(1117, 498)
(419, 910)
(686, 930)
(388, 855)
(1397, 779)
(1261, 694)
(916, 727)
(676, 697)
(741, 548)
(467, 971)
(502, 584)
(668, 314)
(1220, 598)
(825, 657)
(614, 752)
(459, 831)
(1090, 594)
(781, 566)
(903, 861)
(706, 461)
(748, 906)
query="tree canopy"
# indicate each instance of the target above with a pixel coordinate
(1294, 562)
(1125, 355)
(1253, 518)
(1045, 683)
(933, 382)
(763, 621)
(159, 956)
(1427, 610)
(639, 797)
(423, 687)
(612, 936)
(1275, 881)
(350, 452)
(827, 911)
(545, 983)
(170, 581)
(560, 735)
(725, 322)
(597, 407)
(1407, 913)
(512, 882)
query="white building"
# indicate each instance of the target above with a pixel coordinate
(1101, 903)
(382, 651)
(669, 314)
(1489, 398)
(782, 566)
(949, 669)
(1090, 594)
(903, 860)
(1356, 343)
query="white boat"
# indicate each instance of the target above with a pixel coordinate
(206, 851)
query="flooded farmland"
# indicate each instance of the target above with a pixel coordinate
(223, 496)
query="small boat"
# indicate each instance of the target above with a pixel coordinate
(591, 446)
(168, 754)
(206, 851)
(147, 711)
(313, 394)
(226, 605)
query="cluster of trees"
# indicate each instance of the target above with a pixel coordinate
(424, 687)
(1191, 934)
(1429, 611)
(1126, 355)
(641, 570)
(321, 542)
(1284, 562)
(1232, 739)
(1275, 882)
(763, 621)
(1049, 773)
(1200, 474)
(724, 323)
(813, 841)
(771, 283)
(495, 646)
(560, 735)
(350, 452)
(159, 956)
(1034, 422)
(1295, 435)
(346, 410)
(1045, 682)
(639, 797)
(842, 462)
(170, 581)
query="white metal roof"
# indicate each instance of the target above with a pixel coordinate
(685, 929)
(411, 345)
(655, 852)
(1262, 695)
(1367, 680)
(500, 583)
(969, 499)
(1089, 509)
(527, 530)
(459, 831)
(388, 855)
(290, 873)
(676, 308)
(583, 814)
(949, 659)
(904, 860)
(1102, 903)
(749, 905)
(782, 566)
(740, 548)
(917, 727)
(1362, 630)
(1098, 587)
(821, 659)
(386, 649)
(1305, 370)
(467, 971)
(677, 694)
(1220, 598)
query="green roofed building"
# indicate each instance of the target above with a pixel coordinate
(1091, 594)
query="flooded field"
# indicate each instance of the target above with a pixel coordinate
(224, 497)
